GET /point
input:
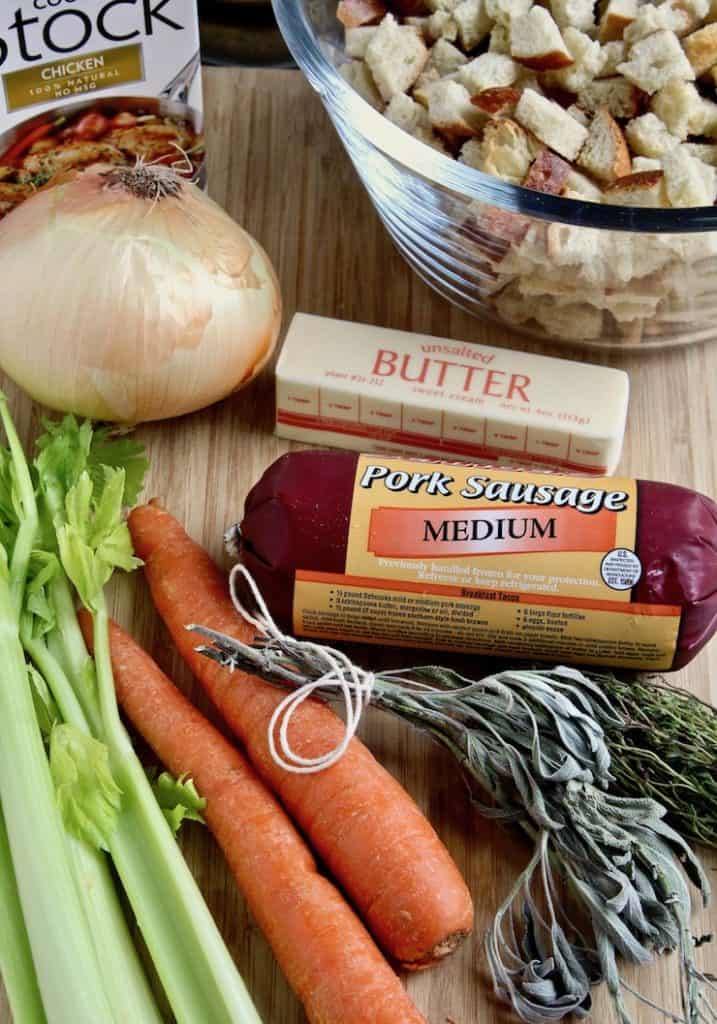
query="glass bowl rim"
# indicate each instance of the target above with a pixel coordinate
(443, 171)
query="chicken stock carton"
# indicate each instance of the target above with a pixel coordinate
(88, 81)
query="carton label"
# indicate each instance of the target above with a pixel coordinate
(64, 79)
(490, 561)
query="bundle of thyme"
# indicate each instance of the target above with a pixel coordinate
(666, 748)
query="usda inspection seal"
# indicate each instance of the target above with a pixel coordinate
(621, 569)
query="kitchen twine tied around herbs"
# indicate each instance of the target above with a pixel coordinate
(353, 683)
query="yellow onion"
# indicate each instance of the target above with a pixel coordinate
(128, 295)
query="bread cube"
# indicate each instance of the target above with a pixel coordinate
(536, 41)
(574, 14)
(651, 18)
(649, 136)
(500, 39)
(472, 154)
(408, 115)
(353, 13)
(704, 151)
(500, 101)
(473, 22)
(579, 114)
(646, 163)
(587, 62)
(618, 14)
(579, 186)
(445, 58)
(357, 74)
(504, 12)
(451, 112)
(528, 79)
(680, 107)
(441, 5)
(357, 40)
(622, 98)
(441, 25)
(551, 124)
(688, 182)
(605, 154)
(488, 71)
(708, 119)
(613, 53)
(548, 173)
(506, 151)
(655, 61)
(411, 117)
(701, 49)
(395, 56)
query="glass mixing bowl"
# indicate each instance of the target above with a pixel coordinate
(552, 268)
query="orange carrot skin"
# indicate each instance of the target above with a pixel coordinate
(326, 954)
(359, 820)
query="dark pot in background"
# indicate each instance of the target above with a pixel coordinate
(241, 32)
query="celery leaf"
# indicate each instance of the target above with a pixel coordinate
(78, 505)
(87, 573)
(94, 541)
(10, 510)
(88, 796)
(64, 450)
(178, 799)
(118, 452)
(115, 549)
(68, 449)
(44, 567)
(108, 510)
(46, 710)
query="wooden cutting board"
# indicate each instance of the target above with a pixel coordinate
(278, 167)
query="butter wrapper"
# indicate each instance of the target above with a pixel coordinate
(374, 389)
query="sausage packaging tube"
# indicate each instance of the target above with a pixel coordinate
(492, 561)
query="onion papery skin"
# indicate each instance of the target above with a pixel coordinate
(129, 309)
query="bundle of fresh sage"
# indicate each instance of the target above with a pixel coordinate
(536, 744)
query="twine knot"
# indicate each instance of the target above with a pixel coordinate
(340, 674)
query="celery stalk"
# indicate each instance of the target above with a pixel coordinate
(65, 961)
(191, 958)
(128, 990)
(126, 984)
(67, 968)
(29, 520)
(69, 648)
(189, 954)
(16, 966)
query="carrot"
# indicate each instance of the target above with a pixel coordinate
(22, 146)
(362, 824)
(328, 957)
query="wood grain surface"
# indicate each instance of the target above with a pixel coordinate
(278, 167)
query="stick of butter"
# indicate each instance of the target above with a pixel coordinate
(372, 389)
